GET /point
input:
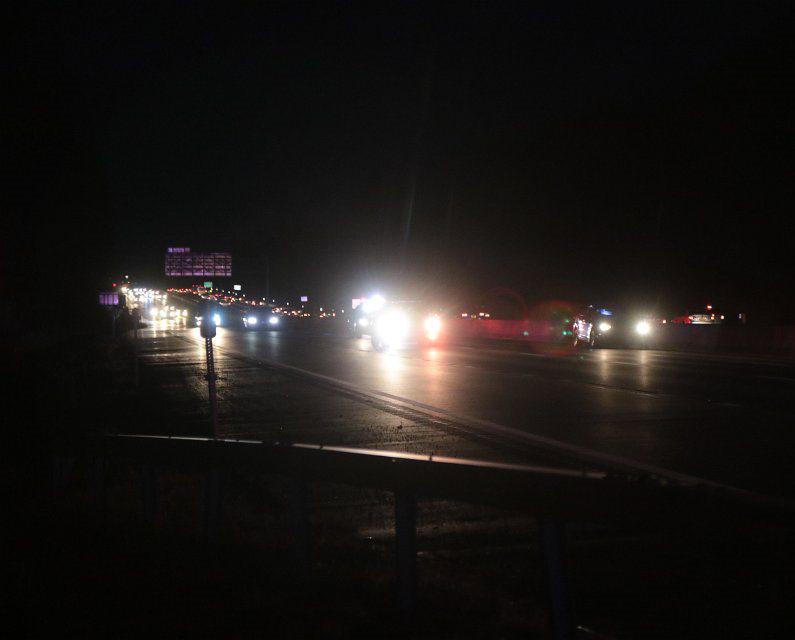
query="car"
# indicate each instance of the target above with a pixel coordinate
(261, 321)
(217, 317)
(591, 326)
(598, 326)
(360, 321)
(402, 324)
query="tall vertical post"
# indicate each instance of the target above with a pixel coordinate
(207, 331)
(299, 509)
(211, 378)
(553, 546)
(406, 551)
(149, 491)
(213, 494)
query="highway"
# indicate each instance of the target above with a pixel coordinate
(692, 417)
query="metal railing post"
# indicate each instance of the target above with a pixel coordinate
(100, 496)
(60, 474)
(299, 510)
(149, 491)
(406, 550)
(213, 393)
(553, 548)
(213, 488)
(56, 475)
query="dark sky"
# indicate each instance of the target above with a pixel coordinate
(633, 152)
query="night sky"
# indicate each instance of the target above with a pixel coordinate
(635, 152)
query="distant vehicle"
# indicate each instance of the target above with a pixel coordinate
(261, 321)
(598, 327)
(702, 317)
(213, 311)
(591, 326)
(395, 324)
(361, 319)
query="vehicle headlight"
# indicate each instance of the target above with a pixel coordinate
(273, 320)
(643, 328)
(604, 326)
(393, 327)
(163, 313)
(373, 303)
(433, 326)
(217, 319)
(364, 322)
(153, 312)
(251, 320)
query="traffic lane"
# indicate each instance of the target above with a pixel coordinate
(733, 380)
(263, 403)
(724, 443)
(739, 380)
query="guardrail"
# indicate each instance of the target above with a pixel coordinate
(552, 495)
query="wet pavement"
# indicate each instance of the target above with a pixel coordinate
(721, 418)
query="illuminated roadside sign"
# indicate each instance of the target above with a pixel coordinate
(109, 299)
(356, 302)
(181, 262)
(237, 287)
(208, 285)
(304, 298)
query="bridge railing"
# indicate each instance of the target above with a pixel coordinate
(554, 496)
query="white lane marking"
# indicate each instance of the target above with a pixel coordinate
(518, 435)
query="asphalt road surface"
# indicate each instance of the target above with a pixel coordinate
(723, 419)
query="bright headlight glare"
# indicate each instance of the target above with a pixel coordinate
(364, 322)
(217, 319)
(373, 303)
(604, 326)
(643, 328)
(252, 320)
(393, 327)
(433, 326)
(273, 320)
